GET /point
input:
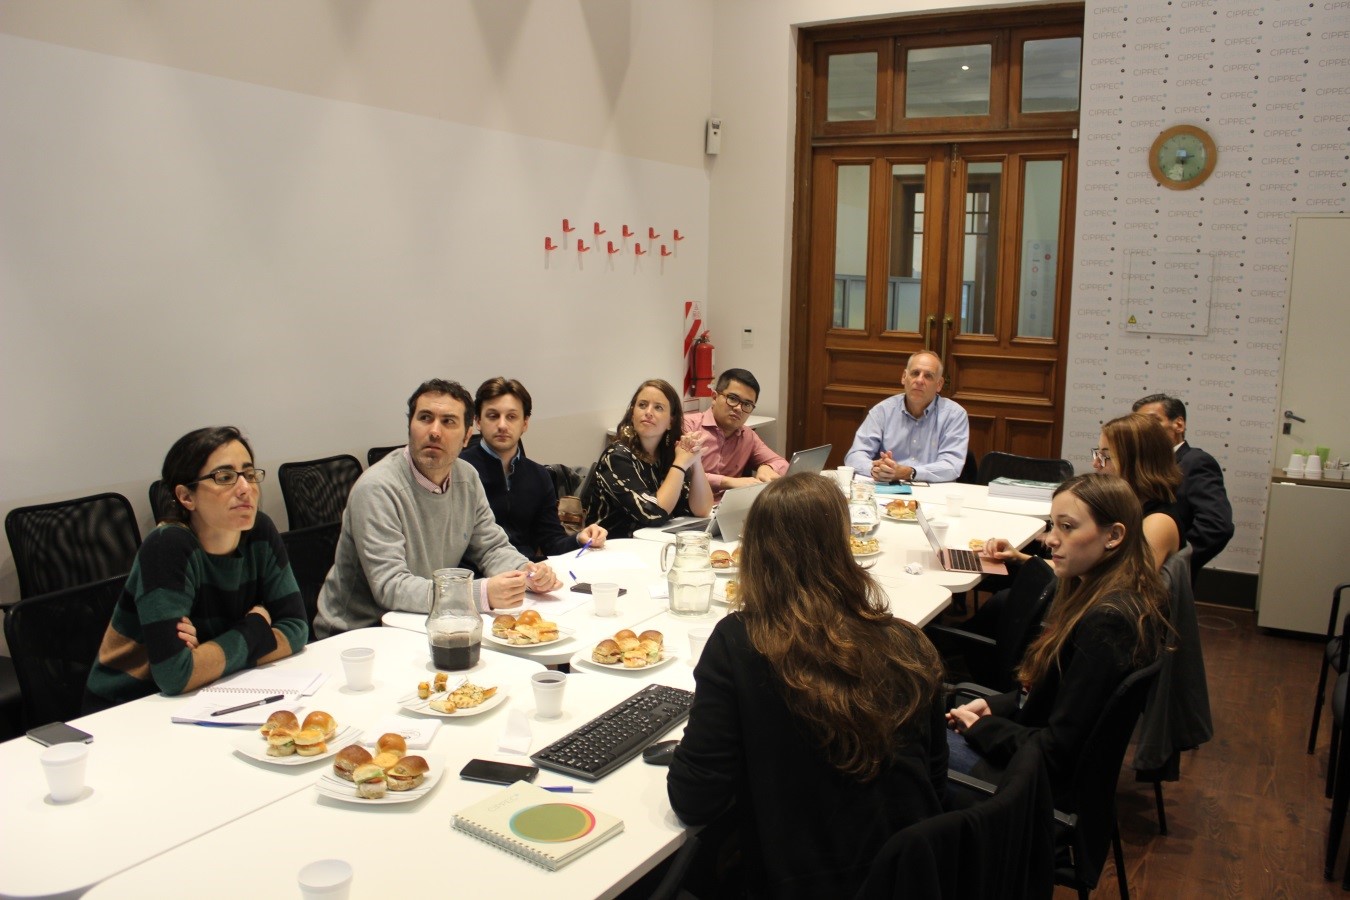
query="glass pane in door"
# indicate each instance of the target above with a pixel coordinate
(1050, 74)
(1040, 248)
(851, 94)
(979, 247)
(850, 246)
(947, 81)
(908, 226)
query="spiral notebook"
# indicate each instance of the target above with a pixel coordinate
(537, 825)
(253, 684)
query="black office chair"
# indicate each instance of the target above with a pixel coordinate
(311, 552)
(375, 454)
(1334, 657)
(55, 639)
(162, 504)
(991, 655)
(997, 464)
(1338, 772)
(970, 472)
(61, 545)
(1004, 842)
(316, 491)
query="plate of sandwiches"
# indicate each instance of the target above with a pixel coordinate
(529, 629)
(725, 591)
(906, 511)
(468, 699)
(389, 775)
(864, 547)
(726, 562)
(285, 741)
(627, 652)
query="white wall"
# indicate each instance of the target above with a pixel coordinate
(181, 246)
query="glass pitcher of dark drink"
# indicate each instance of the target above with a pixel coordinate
(454, 628)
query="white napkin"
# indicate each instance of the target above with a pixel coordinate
(516, 736)
(417, 732)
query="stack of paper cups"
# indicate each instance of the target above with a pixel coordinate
(1314, 469)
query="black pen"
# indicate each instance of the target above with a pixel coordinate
(263, 702)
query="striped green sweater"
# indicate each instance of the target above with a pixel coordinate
(174, 577)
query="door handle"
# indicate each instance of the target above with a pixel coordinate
(928, 334)
(946, 337)
(1289, 414)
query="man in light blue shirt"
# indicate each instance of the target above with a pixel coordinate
(915, 435)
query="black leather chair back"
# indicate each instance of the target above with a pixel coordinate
(997, 464)
(316, 491)
(72, 542)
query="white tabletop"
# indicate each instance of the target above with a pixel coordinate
(976, 496)
(154, 784)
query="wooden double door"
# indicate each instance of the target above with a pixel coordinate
(960, 248)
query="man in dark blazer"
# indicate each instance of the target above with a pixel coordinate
(1203, 501)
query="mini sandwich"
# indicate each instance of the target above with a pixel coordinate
(322, 721)
(386, 759)
(502, 624)
(441, 680)
(736, 556)
(607, 652)
(977, 545)
(348, 760)
(282, 718)
(653, 651)
(635, 658)
(309, 742)
(539, 632)
(626, 641)
(733, 588)
(370, 781)
(650, 635)
(721, 559)
(407, 774)
(529, 617)
(281, 742)
(423, 690)
(393, 743)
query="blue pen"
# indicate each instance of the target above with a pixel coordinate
(568, 789)
(573, 574)
(585, 548)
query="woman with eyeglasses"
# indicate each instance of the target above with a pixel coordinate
(211, 591)
(652, 471)
(1136, 448)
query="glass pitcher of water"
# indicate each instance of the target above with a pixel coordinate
(454, 627)
(687, 565)
(863, 514)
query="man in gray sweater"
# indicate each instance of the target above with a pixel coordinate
(418, 510)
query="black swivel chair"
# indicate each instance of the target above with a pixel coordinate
(311, 552)
(1338, 766)
(55, 639)
(992, 657)
(316, 491)
(970, 472)
(1333, 657)
(997, 464)
(73, 542)
(375, 454)
(162, 503)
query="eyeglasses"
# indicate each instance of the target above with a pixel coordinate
(227, 477)
(738, 402)
(1100, 455)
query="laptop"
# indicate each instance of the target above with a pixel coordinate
(728, 517)
(812, 460)
(958, 560)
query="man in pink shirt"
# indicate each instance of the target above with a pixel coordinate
(733, 455)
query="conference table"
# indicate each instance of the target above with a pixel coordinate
(177, 805)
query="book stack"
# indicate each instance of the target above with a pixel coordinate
(1022, 489)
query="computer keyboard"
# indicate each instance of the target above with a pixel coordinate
(612, 738)
(964, 560)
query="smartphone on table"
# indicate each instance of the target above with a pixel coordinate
(59, 733)
(584, 587)
(490, 772)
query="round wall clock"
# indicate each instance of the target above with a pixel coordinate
(1182, 157)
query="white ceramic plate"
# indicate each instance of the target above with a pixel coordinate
(583, 658)
(876, 552)
(424, 707)
(336, 788)
(912, 520)
(254, 746)
(564, 634)
(720, 593)
(729, 570)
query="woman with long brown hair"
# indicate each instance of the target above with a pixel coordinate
(816, 718)
(1107, 620)
(652, 471)
(1136, 448)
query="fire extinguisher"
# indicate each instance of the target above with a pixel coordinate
(703, 366)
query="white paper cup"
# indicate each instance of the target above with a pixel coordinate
(1296, 461)
(358, 664)
(844, 475)
(326, 879)
(548, 693)
(697, 638)
(940, 527)
(954, 504)
(63, 764)
(606, 594)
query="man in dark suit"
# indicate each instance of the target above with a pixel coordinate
(1203, 502)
